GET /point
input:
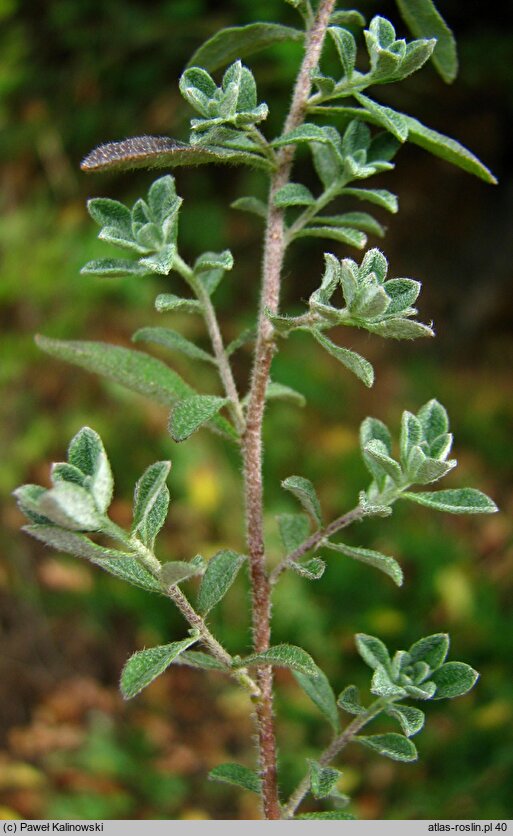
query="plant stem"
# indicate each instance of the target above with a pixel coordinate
(223, 364)
(316, 538)
(332, 751)
(274, 250)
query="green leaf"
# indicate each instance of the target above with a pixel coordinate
(411, 434)
(238, 775)
(219, 575)
(145, 665)
(312, 569)
(345, 45)
(356, 220)
(176, 571)
(343, 234)
(402, 292)
(387, 118)
(294, 530)
(111, 213)
(27, 497)
(399, 328)
(129, 569)
(284, 656)
(250, 204)
(305, 492)
(151, 502)
(424, 21)
(169, 302)
(433, 419)
(431, 649)
(246, 336)
(454, 501)
(356, 364)
(278, 391)
(71, 506)
(448, 149)
(163, 152)
(380, 197)
(453, 680)
(376, 451)
(307, 132)
(69, 542)
(173, 340)
(87, 453)
(349, 700)
(347, 17)
(391, 745)
(210, 260)
(228, 45)
(114, 267)
(327, 815)
(322, 779)
(198, 659)
(293, 194)
(372, 651)
(162, 261)
(411, 719)
(383, 562)
(317, 687)
(64, 472)
(191, 413)
(382, 684)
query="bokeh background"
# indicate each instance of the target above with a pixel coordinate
(73, 75)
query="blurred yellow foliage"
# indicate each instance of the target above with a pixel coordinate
(203, 489)
(456, 593)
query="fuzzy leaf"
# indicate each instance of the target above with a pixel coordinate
(312, 569)
(424, 21)
(322, 779)
(293, 194)
(318, 688)
(294, 529)
(411, 434)
(71, 506)
(375, 450)
(411, 719)
(169, 302)
(198, 659)
(27, 497)
(350, 359)
(114, 267)
(250, 204)
(349, 700)
(454, 501)
(380, 197)
(308, 132)
(236, 42)
(284, 656)
(448, 149)
(145, 665)
(383, 562)
(453, 680)
(130, 570)
(176, 571)
(387, 118)
(372, 651)
(305, 492)
(345, 45)
(173, 340)
(399, 328)
(70, 542)
(191, 413)
(238, 775)
(343, 234)
(355, 220)
(162, 261)
(151, 502)
(432, 649)
(87, 453)
(162, 152)
(219, 575)
(383, 686)
(433, 419)
(210, 260)
(391, 745)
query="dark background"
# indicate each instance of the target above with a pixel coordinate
(74, 75)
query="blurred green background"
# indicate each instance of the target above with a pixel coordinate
(73, 75)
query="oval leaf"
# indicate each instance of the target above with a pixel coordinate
(453, 679)
(424, 21)
(454, 501)
(383, 562)
(240, 41)
(219, 575)
(304, 491)
(318, 688)
(238, 775)
(191, 413)
(350, 359)
(145, 665)
(391, 745)
(284, 656)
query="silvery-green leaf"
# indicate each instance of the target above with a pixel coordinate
(399, 328)
(343, 234)
(111, 213)
(411, 719)
(113, 267)
(219, 575)
(71, 506)
(431, 470)
(317, 687)
(372, 429)
(434, 419)
(349, 700)
(322, 779)
(372, 651)
(448, 149)
(176, 571)
(250, 204)
(376, 450)
(411, 434)
(151, 502)
(432, 649)
(70, 542)
(191, 413)
(284, 656)
(345, 45)
(198, 659)
(169, 302)
(305, 492)
(240, 41)
(383, 562)
(372, 510)
(162, 261)
(421, 692)
(350, 359)
(145, 665)
(278, 391)
(162, 198)
(65, 472)
(294, 530)
(380, 197)
(87, 453)
(371, 302)
(391, 745)
(453, 680)
(173, 340)
(424, 21)
(402, 292)
(441, 446)
(27, 497)
(237, 775)
(383, 686)
(355, 220)
(347, 17)
(374, 261)
(327, 163)
(387, 118)
(283, 325)
(312, 569)
(307, 132)
(293, 194)
(210, 260)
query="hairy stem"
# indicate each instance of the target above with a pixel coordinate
(274, 250)
(315, 539)
(332, 751)
(223, 364)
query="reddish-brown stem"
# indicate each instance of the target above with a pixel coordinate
(274, 250)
